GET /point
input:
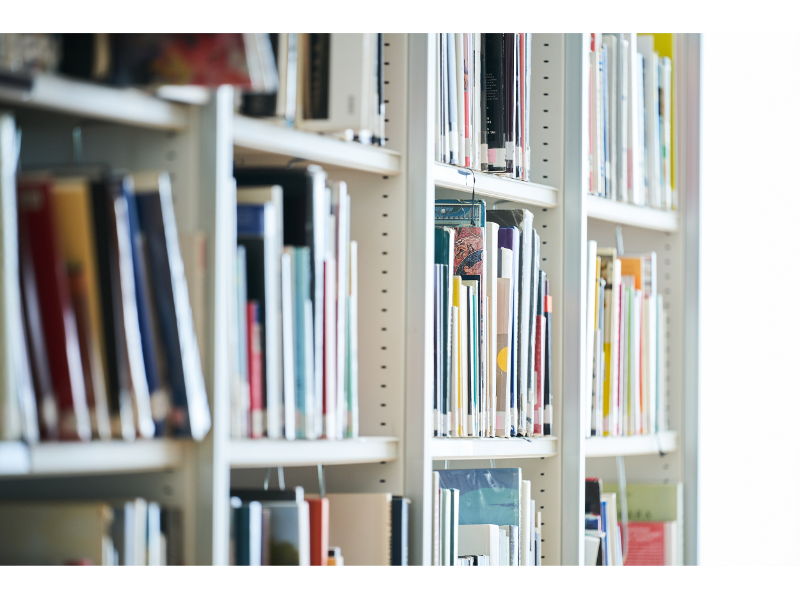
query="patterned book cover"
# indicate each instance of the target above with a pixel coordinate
(457, 212)
(468, 252)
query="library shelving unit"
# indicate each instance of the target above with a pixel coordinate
(392, 190)
(669, 456)
(67, 122)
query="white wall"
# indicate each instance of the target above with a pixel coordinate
(749, 436)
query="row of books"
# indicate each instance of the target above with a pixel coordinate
(650, 536)
(100, 331)
(492, 324)
(496, 524)
(132, 532)
(323, 82)
(288, 527)
(483, 91)
(626, 345)
(293, 333)
(630, 120)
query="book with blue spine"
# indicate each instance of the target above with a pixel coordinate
(147, 326)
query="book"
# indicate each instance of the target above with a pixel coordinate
(340, 84)
(37, 218)
(319, 524)
(259, 228)
(18, 418)
(190, 411)
(400, 508)
(44, 533)
(480, 540)
(289, 543)
(487, 495)
(72, 202)
(255, 360)
(370, 543)
(46, 405)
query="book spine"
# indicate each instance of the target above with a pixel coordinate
(452, 95)
(548, 367)
(36, 215)
(495, 99)
(289, 357)
(510, 73)
(255, 360)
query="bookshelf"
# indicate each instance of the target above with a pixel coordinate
(667, 457)
(392, 190)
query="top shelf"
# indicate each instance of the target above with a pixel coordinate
(127, 106)
(623, 213)
(494, 186)
(256, 136)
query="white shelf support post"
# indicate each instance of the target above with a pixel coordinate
(216, 219)
(419, 296)
(574, 301)
(688, 156)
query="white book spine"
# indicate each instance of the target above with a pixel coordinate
(460, 84)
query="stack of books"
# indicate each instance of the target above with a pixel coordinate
(293, 333)
(626, 345)
(288, 527)
(103, 336)
(483, 96)
(131, 532)
(492, 324)
(630, 119)
(651, 535)
(496, 525)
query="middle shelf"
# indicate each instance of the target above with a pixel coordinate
(494, 186)
(488, 448)
(248, 453)
(634, 445)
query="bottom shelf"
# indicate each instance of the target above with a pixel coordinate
(246, 453)
(634, 445)
(489, 448)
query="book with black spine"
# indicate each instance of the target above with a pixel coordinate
(190, 409)
(493, 99)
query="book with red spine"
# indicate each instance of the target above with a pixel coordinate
(652, 544)
(37, 348)
(521, 172)
(318, 513)
(37, 218)
(255, 362)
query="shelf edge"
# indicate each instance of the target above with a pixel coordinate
(247, 454)
(258, 136)
(634, 216)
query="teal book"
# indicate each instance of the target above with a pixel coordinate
(460, 213)
(301, 296)
(486, 495)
